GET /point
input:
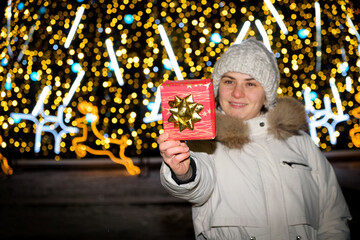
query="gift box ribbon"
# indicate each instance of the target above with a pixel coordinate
(184, 112)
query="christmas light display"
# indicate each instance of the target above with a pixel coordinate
(91, 116)
(4, 163)
(355, 132)
(126, 49)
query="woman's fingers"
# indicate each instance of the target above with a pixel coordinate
(176, 154)
(171, 148)
(162, 138)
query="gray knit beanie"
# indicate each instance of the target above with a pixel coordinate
(253, 58)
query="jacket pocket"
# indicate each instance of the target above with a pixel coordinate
(301, 192)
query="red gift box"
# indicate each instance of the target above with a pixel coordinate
(188, 109)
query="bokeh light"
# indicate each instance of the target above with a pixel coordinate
(33, 53)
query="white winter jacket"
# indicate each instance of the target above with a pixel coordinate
(263, 179)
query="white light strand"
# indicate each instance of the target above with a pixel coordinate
(170, 52)
(318, 36)
(74, 27)
(114, 61)
(73, 88)
(32, 29)
(263, 34)
(10, 52)
(243, 31)
(57, 121)
(39, 107)
(276, 16)
(348, 82)
(155, 115)
(355, 32)
(320, 118)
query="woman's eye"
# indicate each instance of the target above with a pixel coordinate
(251, 84)
(226, 81)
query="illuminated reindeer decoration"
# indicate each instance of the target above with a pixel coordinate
(4, 163)
(91, 116)
(355, 132)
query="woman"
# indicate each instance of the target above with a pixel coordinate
(262, 177)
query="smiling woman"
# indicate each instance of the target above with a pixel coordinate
(241, 96)
(262, 177)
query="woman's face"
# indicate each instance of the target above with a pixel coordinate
(240, 95)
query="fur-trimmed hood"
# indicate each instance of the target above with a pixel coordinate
(286, 119)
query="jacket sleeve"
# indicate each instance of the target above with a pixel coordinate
(197, 191)
(334, 212)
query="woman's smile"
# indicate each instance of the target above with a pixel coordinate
(241, 96)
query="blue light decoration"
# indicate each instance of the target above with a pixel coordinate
(150, 106)
(20, 6)
(42, 10)
(4, 62)
(129, 19)
(8, 85)
(76, 67)
(111, 67)
(313, 95)
(167, 64)
(80, 1)
(344, 67)
(155, 69)
(303, 33)
(16, 119)
(215, 37)
(34, 76)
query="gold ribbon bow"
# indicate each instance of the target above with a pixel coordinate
(184, 112)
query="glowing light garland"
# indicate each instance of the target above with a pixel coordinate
(74, 26)
(170, 52)
(263, 34)
(320, 118)
(56, 120)
(355, 32)
(318, 36)
(155, 115)
(10, 52)
(276, 16)
(243, 31)
(114, 62)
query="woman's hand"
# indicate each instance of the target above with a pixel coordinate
(176, 154)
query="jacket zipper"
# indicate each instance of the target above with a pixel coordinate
(295, 163)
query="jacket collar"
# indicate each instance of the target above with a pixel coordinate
(286, 119)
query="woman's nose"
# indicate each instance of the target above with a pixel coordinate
(238, 91)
